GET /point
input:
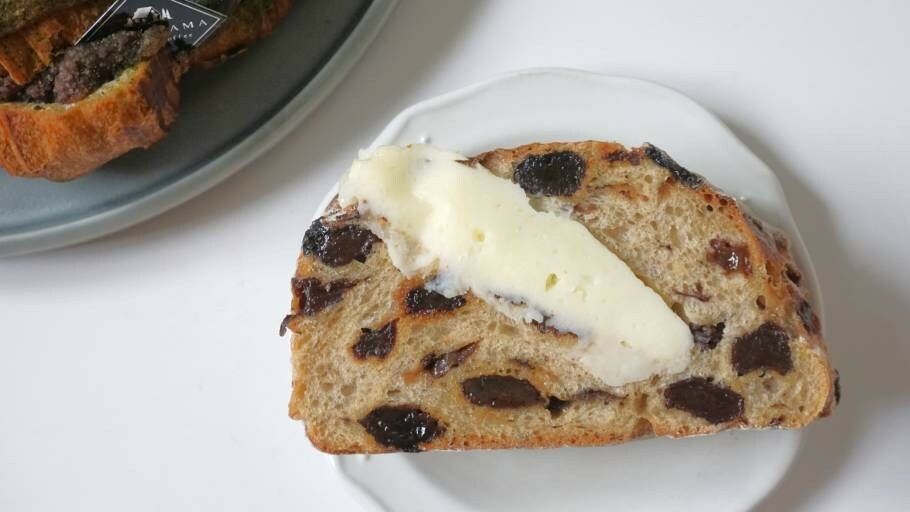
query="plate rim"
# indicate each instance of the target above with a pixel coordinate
(252, 146)
(363, 496)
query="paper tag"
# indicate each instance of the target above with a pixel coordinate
(190, 23)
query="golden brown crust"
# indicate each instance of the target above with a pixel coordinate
(63, 142)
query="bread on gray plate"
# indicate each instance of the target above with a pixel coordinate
(382, 364)
(65, 110)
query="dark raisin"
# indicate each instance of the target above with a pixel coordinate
(767, 347)
(809, 318)
(707, 337)
(403, 427)
(732, 258)
(793, 275)
(680, 173)
(439, 365)
(422, 301)
(500, 391)
(553, 174)
(376, 343)
(556, 406)
(283, 328)
(314, 296)
(760, 302)
(338, 246)
(701, 397)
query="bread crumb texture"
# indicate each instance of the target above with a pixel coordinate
(381, 364)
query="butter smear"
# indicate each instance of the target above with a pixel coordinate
(481, 235)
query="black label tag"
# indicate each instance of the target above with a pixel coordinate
(190, 23)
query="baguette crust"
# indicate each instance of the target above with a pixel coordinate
(63, 142)
(658, 218)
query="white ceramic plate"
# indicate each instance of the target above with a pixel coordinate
(730, 471)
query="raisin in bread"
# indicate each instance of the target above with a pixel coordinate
(383, 364)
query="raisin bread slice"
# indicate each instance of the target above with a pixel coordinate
(383, 364)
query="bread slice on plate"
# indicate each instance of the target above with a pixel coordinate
(66, 110)
(381, 363)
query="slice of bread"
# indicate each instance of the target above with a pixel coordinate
(60, 142)
(381, 364)
(252, 20)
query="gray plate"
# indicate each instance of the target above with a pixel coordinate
(229, 116)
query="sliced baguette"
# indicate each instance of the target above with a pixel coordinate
(766, 367)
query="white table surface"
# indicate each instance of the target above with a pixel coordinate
(143, 371)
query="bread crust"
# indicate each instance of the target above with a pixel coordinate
(253, 20)
(332, 392)
(63, 142)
